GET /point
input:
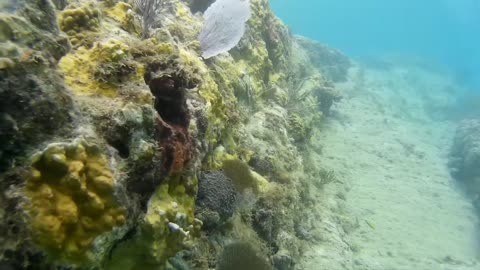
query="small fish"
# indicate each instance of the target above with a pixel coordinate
(370, 224)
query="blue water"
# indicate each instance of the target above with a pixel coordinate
(444, 32)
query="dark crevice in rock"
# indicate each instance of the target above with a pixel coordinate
(169, 87)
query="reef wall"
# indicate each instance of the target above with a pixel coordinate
(109, 131)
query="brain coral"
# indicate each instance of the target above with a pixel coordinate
(215, 198)
(70, 192)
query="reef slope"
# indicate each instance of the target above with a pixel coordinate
(391, 148)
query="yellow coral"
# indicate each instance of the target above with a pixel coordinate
(122, 13)
(166, 228)
(73, 21)
(76, 19)
(70, 189)
(79, 66)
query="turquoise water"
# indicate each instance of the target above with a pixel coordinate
(405, 132)
(444, 32)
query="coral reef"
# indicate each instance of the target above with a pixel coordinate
(241, 175)
(32, 97)
(75, 20)
(296, 128)
(166, 228)
(215, 201)
(131, 131)
(100, 69)
(35, 107)
(70, 191)
(158, 122)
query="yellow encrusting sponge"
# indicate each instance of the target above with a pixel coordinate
(71, 201)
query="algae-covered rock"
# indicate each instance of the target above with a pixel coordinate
(296, 127)
(241, 175)
(464, 160)
(40, 13)
(332, 63)
(75, 20)
(282, 261)
(327, 94)
(267, 135)
(30, 39)
(241, 255)
(268, 216)
(131, 131)
(101, 69)
(35, 104)
(34, 108)
(166, 228)
(122, 13)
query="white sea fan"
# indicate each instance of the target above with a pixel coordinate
(224, 26)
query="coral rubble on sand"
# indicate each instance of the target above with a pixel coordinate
(110, 130)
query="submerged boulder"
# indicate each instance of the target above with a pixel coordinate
(464, 160)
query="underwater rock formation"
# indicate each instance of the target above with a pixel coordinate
(169, 89)
(464, 160)
(35, 105)
(116, 145)
(332, 63)
(76, 20)
(327, 94)
(35, 108)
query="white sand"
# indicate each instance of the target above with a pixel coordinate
(397, 206)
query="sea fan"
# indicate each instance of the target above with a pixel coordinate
(150, 12)
(224, 26)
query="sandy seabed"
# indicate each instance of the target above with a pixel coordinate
(395, 205)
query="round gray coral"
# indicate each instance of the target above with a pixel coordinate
(215, 198)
